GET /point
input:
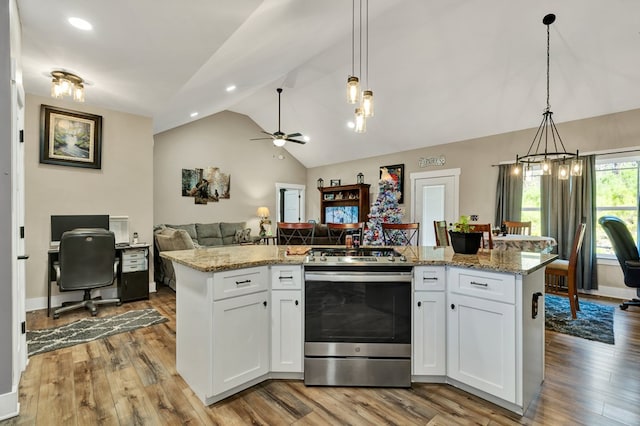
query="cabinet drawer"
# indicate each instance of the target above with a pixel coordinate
(134, 265)
(488, 285)
(286, 277)
(429, 278)
(242, 281)
(134, 254)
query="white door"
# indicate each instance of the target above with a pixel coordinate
(290, 199)
(435, 197)
(20, 343)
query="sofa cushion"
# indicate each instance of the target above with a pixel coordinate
(190, 228)
(229, 229)
(209, 234)
(174, 239)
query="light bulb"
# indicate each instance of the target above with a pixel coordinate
(353, 89)
(361, 124)
(367, 103)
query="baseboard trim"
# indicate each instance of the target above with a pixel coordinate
(9, 405)
(613, 292)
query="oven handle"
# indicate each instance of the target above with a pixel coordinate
(343, 276)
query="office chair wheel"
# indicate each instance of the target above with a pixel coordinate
(623, 306)
(56, 316)
(118, 303)
(94, 313)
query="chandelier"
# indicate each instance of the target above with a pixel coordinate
(67, 84)
(547, 146)
(364, 99)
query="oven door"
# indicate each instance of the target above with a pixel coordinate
(358, 326)
(347, 305)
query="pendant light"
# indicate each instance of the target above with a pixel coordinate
(547, 146)
(367, 95)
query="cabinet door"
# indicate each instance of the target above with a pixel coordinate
(481, 345)
(286, 331)
(240, 340)
(429, 351)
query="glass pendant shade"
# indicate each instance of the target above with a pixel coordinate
(545, 167)
(563, 172)
(67, 84)
(576, 167)
(367, 103)
(361, 125)
(517, 169)
(353, 89)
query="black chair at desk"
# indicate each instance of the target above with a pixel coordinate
(87, 260)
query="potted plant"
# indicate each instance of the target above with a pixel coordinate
(463, 240)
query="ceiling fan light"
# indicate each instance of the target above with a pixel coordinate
(279, 142)
(367, 103)
(361, 123)
(353, 89)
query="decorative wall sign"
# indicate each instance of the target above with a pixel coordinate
(205, 185)
(70, 138)
(396, 173)
(431, 161)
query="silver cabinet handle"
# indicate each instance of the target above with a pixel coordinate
(480, 284)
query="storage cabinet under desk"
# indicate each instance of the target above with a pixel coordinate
(133, 274)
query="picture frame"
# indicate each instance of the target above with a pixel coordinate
(70, 138)
(329, 197)
(396, 171)
(335, 182)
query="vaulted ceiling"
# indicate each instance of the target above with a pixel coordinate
(441, 71)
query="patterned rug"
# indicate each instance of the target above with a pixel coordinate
(594, 322)
(88, 329)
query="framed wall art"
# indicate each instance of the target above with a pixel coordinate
(396, 173)
(335, 182)
(70, 138)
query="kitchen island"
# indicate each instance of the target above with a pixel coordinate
(478, 320)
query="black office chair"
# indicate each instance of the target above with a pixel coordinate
(87, 260)
(627, 253)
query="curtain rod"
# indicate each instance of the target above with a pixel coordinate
(605, 152)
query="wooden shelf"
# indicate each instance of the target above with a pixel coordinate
(345, 195)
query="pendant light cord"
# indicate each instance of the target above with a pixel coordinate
(367, 44)
(353, 36)
(548, 105)
(360, 49)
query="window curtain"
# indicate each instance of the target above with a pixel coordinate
(565, 204)
(508, 195)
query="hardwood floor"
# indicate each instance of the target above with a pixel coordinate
(130, 379)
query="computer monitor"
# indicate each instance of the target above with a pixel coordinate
(61, 224)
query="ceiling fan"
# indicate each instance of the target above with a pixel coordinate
(279, 138)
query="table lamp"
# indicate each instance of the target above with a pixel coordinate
(263, 214)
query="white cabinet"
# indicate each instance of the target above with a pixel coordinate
(481, 344)
(286, 319)
(429, 318)
(240, 340)
(495, 338)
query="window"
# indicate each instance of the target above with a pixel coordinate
(616, 195)
(531, 200)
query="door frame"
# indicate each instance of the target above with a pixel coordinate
(455, 173)
(301, 188)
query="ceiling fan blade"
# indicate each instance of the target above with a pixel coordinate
(267, 133)
(294, 135)
(296, 141)
(260, 139)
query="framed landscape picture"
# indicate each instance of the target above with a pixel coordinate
(70, 138)
(396, 173)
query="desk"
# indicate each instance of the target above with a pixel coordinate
(531, 243)
(126, 280)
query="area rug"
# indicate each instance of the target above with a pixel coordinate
(88, 329)
(594, 322)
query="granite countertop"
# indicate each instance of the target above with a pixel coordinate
(224, 258)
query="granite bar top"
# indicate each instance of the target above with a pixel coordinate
(223, 258)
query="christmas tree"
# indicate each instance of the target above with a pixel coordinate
(384, 210)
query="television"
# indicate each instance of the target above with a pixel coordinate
(61, 224)
(341, 214)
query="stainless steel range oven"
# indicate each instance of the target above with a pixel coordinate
(357, 318)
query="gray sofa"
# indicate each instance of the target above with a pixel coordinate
(188, 236)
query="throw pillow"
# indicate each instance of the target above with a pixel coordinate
(237, 237)
(242, 236)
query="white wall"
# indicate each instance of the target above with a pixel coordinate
(220, 140)
(478, 179)
(122, 187)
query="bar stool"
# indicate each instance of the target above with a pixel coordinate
(401, 234)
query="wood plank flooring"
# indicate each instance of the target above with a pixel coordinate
(130, 379)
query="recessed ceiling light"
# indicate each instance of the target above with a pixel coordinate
(351, 124)
(231, 88)
(80, 24)
(194, 114)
